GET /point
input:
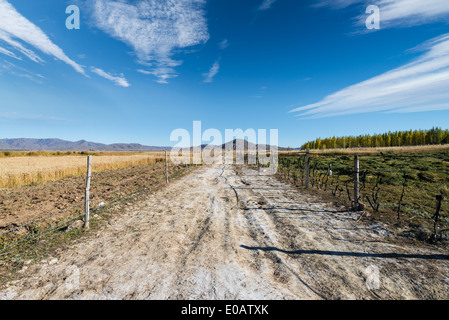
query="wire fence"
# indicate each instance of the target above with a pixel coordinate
(34, 237)
(414, 188)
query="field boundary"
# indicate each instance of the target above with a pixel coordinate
(361, 185)
(31, 240)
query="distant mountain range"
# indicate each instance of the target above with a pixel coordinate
(26, 144)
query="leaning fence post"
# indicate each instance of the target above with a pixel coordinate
(166, 167)
(86, 205)
(307, 168)
(356, 182)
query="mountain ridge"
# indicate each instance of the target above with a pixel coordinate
(56, 144)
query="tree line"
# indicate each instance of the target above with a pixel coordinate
(390, 139)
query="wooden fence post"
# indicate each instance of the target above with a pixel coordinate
(307, 168)
(356, 183)
(436, 217)
(86, 205)
(166, 167)
(257, 159)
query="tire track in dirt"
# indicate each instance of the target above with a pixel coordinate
(190, 240)
(336, 251)
(289, 232)
(259, 229)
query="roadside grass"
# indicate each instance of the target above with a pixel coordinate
(399, 187)
(372, 151)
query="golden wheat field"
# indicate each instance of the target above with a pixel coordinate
(28, 170)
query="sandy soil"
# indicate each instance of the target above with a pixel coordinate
(25, 204)
(222, 233)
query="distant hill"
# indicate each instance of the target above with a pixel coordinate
(232, 145)
(25, 144)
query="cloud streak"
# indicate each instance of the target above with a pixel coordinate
(335, 3)
(9, 53)
(421, 85)
(224, 44)
(154, 29)
(11, 68)
(21, 116)
(162, 74)
(398, 12)
(209, 76)
(14, 28)
(265, 5)
(118, 80)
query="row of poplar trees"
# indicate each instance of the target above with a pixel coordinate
(390, 139)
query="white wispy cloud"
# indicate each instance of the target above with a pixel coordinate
(14, 28)
(224, 44)
(9, 53)
(23, 116)
(261, 92)
(19, 47)
(162, 74)
(411, 12)
(421, 85)
(266, 4)
(118, 80)
(154, 29)
(209, 76)
(335, 3)
(15, 70)
(398, 12)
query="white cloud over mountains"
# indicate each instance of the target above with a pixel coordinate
(421, 85)
(154, 29)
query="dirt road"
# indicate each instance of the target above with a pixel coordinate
(225, 234)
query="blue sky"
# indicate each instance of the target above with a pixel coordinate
(137, 70)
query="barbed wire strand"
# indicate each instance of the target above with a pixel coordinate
(3, 197)
(42, 218)
(40, 233)
(67, 208)
(56, 235)
(11, 195)
(81, 215)
(378, 154)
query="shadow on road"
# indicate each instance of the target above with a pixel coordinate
(354, 254)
